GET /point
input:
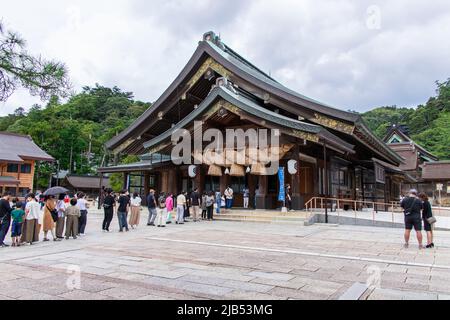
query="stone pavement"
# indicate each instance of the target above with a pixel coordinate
(226, 260)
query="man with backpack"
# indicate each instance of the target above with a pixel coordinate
(196, 202)
(162, 211)
(412, 207)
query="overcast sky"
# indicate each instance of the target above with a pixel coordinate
(350, 54)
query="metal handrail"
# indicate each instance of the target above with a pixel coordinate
(313, 204)
(352, 201)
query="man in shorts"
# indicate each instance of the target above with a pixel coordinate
(412, 207)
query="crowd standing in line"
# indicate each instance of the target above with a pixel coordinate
(60, 216)
(28, 218)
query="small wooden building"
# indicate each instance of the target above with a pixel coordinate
(336, 154)
(89, 185)
(18, 156)
(427, 171)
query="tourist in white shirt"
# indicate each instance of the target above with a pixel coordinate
(135, 217)
(83, 205)
(32, 214)
(229, 197)
(181, 205)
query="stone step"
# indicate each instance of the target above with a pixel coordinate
(259, 220)
(257, 217)
(262, 218)
(267, 213)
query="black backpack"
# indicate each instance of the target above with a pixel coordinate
(54, 214)
(162, 202)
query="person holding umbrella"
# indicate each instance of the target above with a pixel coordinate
(51, 213)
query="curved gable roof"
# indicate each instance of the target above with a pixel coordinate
(407, 141)
(236, 64)
(240, 67)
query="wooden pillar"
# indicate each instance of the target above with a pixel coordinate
(146, 183)
(164, 181)
(125, 180)
(327, 190)
(251, 188)
(199, 180)
(261, 197)
(224, 179)
(297, 199)
(173, 181)
(101, 193)
(158, 183)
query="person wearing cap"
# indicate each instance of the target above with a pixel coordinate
(412, 207)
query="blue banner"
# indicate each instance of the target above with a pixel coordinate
(282, 193)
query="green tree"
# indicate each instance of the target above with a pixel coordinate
(116, 179)
(429, 124)
(68, 131)
(20, 69)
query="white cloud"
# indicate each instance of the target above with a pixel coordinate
(321, 49)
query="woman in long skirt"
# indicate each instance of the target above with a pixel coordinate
(135, 216)
(61, 208)
(31, 229)
(48, 223)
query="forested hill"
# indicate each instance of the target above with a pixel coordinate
(67, 131)
(429, 124)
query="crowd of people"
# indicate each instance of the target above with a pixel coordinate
(163, 208)
(63, 217)
(58, 216)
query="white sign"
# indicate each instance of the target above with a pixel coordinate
(292, 167)
(439, 187)
(192, 171)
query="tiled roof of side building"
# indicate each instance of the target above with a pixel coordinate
(87, 182)
(17, 148)
(436, 170)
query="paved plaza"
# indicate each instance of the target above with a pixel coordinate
(227, 260)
